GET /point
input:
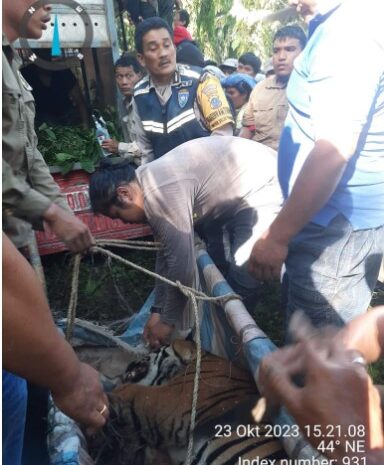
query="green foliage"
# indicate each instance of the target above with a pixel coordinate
(221, 35)
(111, 118)
(127, 29)
(273, 5)
(63, 146)
(214, 27)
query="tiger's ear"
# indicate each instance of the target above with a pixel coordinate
(186, 350)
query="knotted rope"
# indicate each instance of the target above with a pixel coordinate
(193, 294)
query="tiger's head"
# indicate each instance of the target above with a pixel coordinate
(161, 365)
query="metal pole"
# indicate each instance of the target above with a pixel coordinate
(86, 88)
(99, 87)
(111, 25)
(110, 16)
(256, 345)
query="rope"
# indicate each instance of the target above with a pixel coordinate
(195, 394)
(198, 294)
(151, 244)
(137, 245)
(189, 292)
(71, 315)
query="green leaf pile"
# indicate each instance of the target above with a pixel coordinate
(63, 146)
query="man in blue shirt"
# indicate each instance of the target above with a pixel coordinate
(330, 232)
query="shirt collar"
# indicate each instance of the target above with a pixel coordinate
(175, 80)
(272, 83)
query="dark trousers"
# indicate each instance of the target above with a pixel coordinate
(35, 451)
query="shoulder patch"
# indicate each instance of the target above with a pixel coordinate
(213, 103)
(182, 97)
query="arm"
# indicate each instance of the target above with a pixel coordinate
(141, 138)
(323, 400)
(60, 218)
(130, 150)
(73, 232)
(309, 195)
(127, 148)
(169, 213)
(226, 130)
(248, 122)
(34, 349)
(337, 127)
(19, 197)
(365, 334)
(42, 181)
(214, 107)
(123, 149)
(111, 145)
(156, 331)
(246, 132)
(41, 201)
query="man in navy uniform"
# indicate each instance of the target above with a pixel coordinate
(174, 103)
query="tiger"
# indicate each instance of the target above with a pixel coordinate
(120, 363)
(157, 416)
(160, 366)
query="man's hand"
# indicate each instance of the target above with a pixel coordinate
(267, 257)
(84, 399)
(111, 145)
(156, 332)
(337, 392)
(73, 232)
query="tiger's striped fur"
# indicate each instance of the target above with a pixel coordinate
(228, 450)
(162, 365)
(159, 416)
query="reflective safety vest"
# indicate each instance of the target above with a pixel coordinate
(173, 124)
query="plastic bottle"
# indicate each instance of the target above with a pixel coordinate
(101, 133)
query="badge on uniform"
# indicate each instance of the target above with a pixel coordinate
(215, 103)
(182, 97)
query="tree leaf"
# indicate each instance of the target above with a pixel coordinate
(66, 167)
(88, 165)
(51, 135)
(61, 157)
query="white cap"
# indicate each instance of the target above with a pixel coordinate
(230, 63)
